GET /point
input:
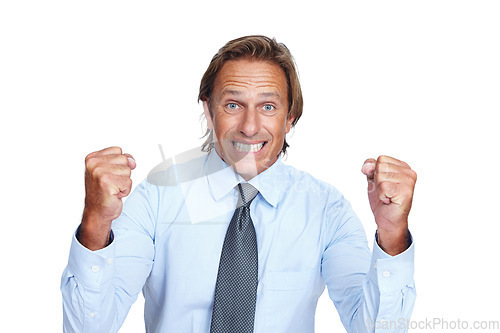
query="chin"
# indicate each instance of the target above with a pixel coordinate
(247, 169)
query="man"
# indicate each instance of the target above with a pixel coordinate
(234, 240)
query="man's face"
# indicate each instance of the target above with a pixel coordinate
(250, 107)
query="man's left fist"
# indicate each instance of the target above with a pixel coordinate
(390, 191)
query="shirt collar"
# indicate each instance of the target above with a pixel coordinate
(222, 179)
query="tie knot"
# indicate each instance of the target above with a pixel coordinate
(247, 194)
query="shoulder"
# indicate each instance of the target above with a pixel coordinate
(303, 183)
(316, 201)
(179, 169)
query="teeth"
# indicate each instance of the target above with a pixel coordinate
(244, 148)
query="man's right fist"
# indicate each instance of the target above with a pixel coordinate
(107, 181)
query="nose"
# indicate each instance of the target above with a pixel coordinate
(250, 122)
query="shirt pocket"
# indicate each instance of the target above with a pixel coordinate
(291, 299)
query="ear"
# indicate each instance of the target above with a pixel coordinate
(288, 124)
(208, 116)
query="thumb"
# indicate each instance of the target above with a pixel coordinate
(368, 169)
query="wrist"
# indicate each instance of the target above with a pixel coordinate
(393, 242)
(94, 232)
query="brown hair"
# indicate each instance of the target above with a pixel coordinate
(260, 48)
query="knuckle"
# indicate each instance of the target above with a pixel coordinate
(89, 156)
(381, 167)
(95, 172)
(389, 176)
(414, 175)
(105, 179)
(115, 150)
(123, 178)
(382, 185)
(386, 186)
(90, 162)
(115, 160)
(122, 159)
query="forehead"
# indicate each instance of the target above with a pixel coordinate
(250, 73)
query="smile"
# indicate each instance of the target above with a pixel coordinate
(248, 148)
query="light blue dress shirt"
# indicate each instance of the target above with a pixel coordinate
(168, 240)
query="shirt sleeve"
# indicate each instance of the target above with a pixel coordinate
(373, 292)
(99, 287)
(390, 278)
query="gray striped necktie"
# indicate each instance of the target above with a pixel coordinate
(236, 287)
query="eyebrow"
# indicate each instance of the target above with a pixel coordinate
(233, 92)
(269, 94)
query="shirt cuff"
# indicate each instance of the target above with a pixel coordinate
(92, 268)
(392, 273)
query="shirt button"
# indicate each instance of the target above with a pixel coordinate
(386, 274)
(95, 268)
(92, 315)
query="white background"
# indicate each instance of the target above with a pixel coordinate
(419, 81)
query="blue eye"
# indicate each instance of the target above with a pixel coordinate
(268, 107)
(232, 106)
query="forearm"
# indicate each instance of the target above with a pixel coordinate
(388, 293)
(93, 233)
(99, 287)
(89, 301)
(368, 292)
(366, 286)
(394, 242)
